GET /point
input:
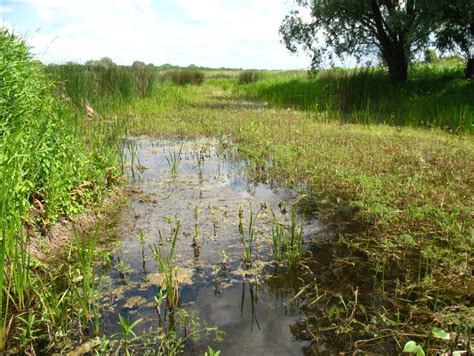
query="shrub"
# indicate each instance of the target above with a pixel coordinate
(249, 76)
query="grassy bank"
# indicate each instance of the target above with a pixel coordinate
(53, 163)
(435, 96)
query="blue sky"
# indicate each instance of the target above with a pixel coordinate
(214, 33)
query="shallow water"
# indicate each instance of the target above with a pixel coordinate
(255, 315)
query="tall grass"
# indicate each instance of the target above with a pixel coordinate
(102, 85)
(435, 96)
(52, 163)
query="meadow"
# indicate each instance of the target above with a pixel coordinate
(388, 168)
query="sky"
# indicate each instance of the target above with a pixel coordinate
(211, 33)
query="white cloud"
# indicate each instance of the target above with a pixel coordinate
(5, 10)
(206, 32)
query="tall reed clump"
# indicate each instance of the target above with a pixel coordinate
(46, 169)
(185, 77)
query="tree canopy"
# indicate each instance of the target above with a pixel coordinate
(455, 31)
(394, 29)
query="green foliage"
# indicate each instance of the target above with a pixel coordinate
(440, 334)
(167, 267)
(391, 29)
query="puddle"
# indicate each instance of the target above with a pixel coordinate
(206, 192)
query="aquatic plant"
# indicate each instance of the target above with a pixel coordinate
(166, 265)
(135, 166)
(174, 158)
(247, 240)
(287, 241)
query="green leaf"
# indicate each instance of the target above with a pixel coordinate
(411, 346)
(440, 334)
(420, 351)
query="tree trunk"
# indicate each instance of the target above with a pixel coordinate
(469, 71)
(397, 66)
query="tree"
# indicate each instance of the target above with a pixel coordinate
(455, 31)
(393, 29)
(138, 65)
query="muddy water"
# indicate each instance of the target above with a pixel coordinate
(214, 284)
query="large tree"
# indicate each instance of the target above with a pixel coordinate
(455, 31)
(393, 29)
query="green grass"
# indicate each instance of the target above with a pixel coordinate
(435, 96)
